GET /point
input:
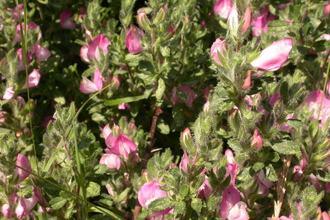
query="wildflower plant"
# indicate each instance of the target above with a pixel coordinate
(164, 109)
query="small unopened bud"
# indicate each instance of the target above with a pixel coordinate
(326, 9)
(256, 140)
(247, 82)
(160, 17)
(247, 19)
(143, 20)
(186, 141)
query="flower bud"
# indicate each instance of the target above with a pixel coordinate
(273, 57)
(218, 47)
(9, 93)
(186, 141)
(326, 9)
(143, 19)
(233, 20)
(247, 19)
(22, 161)
(247, 82)
(256, 140)
(184, 162)
(159, 17)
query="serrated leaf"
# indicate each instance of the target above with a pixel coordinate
(100, 168)
(143, 215)
(180, 207)
(57, 203)
(165, 51)
(160, 90)
(84, 143)
(93, 189)
(161, 204)
(294, 123)
(123, 195)
(196, 204)
(287, 148)
(258, 166)
(278, 26)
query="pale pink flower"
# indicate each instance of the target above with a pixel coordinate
(184, 162)
(112, 161)
(238, 212)
(222, 8)
(89, 52)
(218, 47)
(325, 215)
(256, 140)
(150, 192)
(273, 57)
(66, 20)
(30, 26)
(22, 161)
(18, 12)
(133, 39)
(87, 86)
(33, 79)
(124, 106)
(21, 65)
(42, 53)
(231, 208)
(233, 19)
(263, 183)
(9, 93)
(205, 190)
(326, 9)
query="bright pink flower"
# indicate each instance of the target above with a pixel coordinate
(222, 8)
(33, 79)
(5, 209)
(87, 86)
(42, 53)
(18, 12)
(149, 192)
(9, 93)
(247, 19)
(66, 20)
(218, 47)
(326, 9)
(317, 102)
(273, 57)
(231, 168)
(231, 207)
(22, 161)
(111, 160)
(24, 206)
(260, 23)
(89, 52)
(325, 215)
(133, 39)
(256, 140)
(122, 145)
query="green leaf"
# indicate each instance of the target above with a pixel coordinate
(321, 175)
(161, 204)
(180, 207)
(165, 51)
(100, 169)
(57, 203)
(287, 148)
(278, 26)
(295, 123)
(84, 143)
(115, 102)
(184, 190)
(143, 215)
(4, 131)
(274, 157)
(321, 45)
(123, 195)
(160, 90)
(196, 204)
(93, 189)
(258, 166)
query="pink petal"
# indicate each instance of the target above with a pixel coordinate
(87, 86)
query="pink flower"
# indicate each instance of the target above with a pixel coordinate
(273, 57)
(9, 93)
(325, 216)
(263, 183)
(21, 65)
(184, 162)
(111, 160)
(247, 19)
(205, 190)
(33, 79)
(24, 206)
(222, 8)
(87, 86)
(233, 19)
(124, 106)
(5, 209)
(260, 23)
(256, 140)
(42, 53)
(218, 47)
(122, 145)
(231, 168)
(326, 9)
(18, 12)
(66, 20)
(89, 52)
(150, 192)
(23, 162)
(189, 92)
(133, 40)
(231, 208)
(317, 102)
(30, 26)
